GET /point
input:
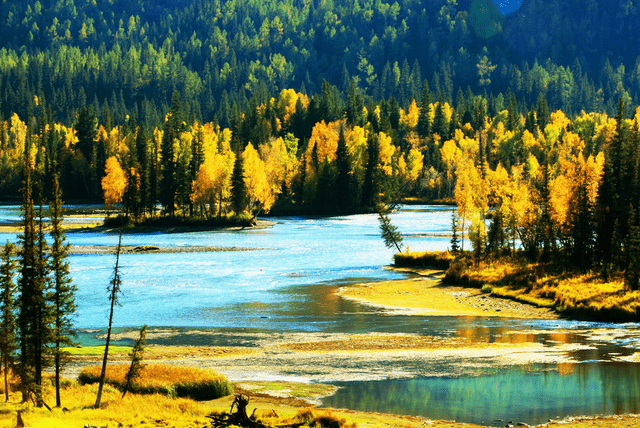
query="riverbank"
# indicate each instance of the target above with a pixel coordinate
(425, 294)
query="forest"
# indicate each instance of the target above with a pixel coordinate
(210, 109)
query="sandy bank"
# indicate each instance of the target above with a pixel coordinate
(425, 294)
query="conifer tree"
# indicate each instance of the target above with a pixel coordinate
(28, 284)
(172, 128)
(238, 187)
(371, 185)
(343, 186)
(137, 353)
(455, 239)
(63, 293)
(388, 231)
(7, 316)
(632, 272)
(114, 290)
(424, 124)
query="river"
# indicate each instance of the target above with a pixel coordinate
(281, 279)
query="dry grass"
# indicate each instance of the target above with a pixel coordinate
(574, 294)
(144, 411)
(432, 259)
(173, 381)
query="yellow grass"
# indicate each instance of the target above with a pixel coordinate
(174, 381)
(143, 411)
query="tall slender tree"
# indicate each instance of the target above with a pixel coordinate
(7, 316)
(114, 291)
(63, 293)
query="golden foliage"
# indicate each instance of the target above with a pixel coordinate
(114, 183)
(259, 190)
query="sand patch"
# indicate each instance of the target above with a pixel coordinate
(427, 296)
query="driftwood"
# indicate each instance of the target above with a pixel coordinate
(239, 416)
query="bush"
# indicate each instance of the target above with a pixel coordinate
(173, 381)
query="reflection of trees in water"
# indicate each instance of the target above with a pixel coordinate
(532, 395)
(620, 387)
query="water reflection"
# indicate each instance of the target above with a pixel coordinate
(531, 395)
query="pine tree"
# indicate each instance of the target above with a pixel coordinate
(63, 296)
(86, 127)
(343, 187)
(424, 124)
(632, 272)
(137, 353)
(29, 290)
(388, 231)
(455, 239)
(371, 185)
(7, 317)
(41, 309)
(172, 128)
(114, 291)
(238, 187)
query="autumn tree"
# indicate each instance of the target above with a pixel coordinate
(261, 195)
(114, 183)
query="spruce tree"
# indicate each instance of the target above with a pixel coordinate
(7, 316)
(63, 295)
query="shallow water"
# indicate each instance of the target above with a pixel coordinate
(287, 285)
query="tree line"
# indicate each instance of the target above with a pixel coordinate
(125, 58)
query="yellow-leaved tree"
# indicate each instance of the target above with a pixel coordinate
(259, 192)
(212, 185)
(114, 182)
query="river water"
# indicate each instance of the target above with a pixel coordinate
(282, 278)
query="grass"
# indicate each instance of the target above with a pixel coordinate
(96, 350)
(172, 381)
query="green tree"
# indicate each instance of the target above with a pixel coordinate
(137, 354)
(63, 293)
(389, 232)
(239, 198)
(173, 126)
(114, 290)
(343, 185)
(8, 343)
(32, 311)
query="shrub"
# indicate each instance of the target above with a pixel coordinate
(174, 381)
